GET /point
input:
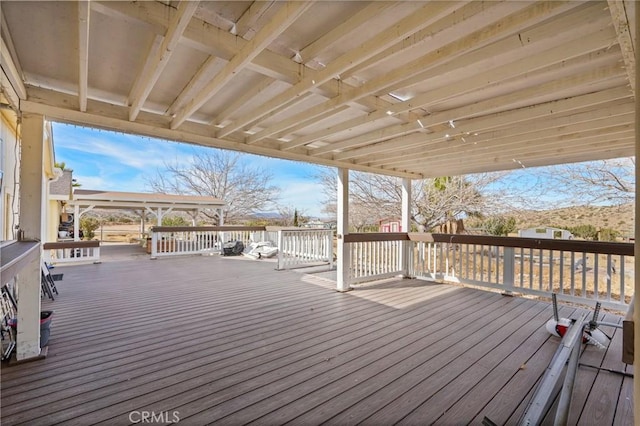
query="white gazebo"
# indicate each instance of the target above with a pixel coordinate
(156, 204)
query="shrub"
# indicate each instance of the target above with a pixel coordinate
(499, 225)
(608, 234)
(88, 225)
(175, 221)
(587, 232)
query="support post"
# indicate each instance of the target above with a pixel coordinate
(508, 271)
(343, 258)
(76, 223)
(405, 246)
(31, 208)
(154, 245)
(636, 312)
(280, 250)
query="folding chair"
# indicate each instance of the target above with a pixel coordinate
(48, 285)
(7, 319)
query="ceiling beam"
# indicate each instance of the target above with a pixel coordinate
(287, 14)
(63, 107)
(438, 33)
(496, 120)
(220, 43)
(472, 64)
(613, 149)
(12, 76)
(620, 19)
(244, 27)
(203, 73)
(571, 144)
(160, 58)
(479, 80)
(433, 151)
(84, 14)
(243, 99)
(10, 69)
(362, 17)
(421, 18)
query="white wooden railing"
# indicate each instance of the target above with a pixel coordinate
(71, 252)
(296, 247)
(578, 271)
(182, 240)
(375, 256)
(304, 247)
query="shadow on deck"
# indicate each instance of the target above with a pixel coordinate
(232, 341)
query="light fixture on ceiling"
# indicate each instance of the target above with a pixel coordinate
(389, 112)
(234, 30)
(451, 124)
(297, 58)
(420, 123)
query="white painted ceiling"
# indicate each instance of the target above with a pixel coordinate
(412, 89)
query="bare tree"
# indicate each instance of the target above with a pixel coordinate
(244, 188)
(595, 182)
(375, 197)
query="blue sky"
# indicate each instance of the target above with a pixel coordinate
(120, 162)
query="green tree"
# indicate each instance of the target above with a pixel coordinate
(295, 218)
(587, 232)
(88, 225)
(500, 225)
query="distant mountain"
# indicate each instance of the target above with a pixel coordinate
(620, 218)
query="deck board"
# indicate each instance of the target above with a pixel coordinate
(232, 341)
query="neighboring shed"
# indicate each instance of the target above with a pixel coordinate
(392, 224)
(546, 232)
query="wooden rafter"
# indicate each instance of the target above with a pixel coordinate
(459, 145)
(10, 67)
(63, 107)
(478, 80)
(84, 15)
(203, 74)
(287, 14)
(214, 41)
(160, 58)
(488, 122)
(244, 26)
(327, 40)
(421, 18)
(620, 18)
(427, 65)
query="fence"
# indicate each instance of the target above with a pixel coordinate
(375, 255)
(71, 252)
(579, 271)
(296, 247)
(181, 240)
(304, 247)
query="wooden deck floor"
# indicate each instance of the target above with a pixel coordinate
(232, 341)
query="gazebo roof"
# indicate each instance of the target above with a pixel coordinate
(140, 200)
